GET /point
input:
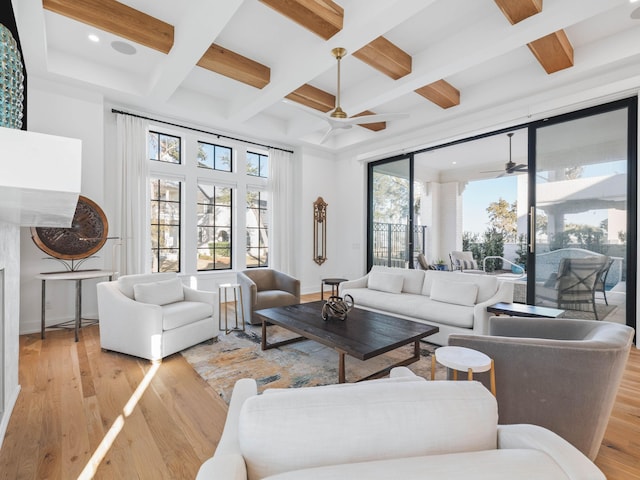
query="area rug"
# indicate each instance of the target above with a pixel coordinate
(304, 364)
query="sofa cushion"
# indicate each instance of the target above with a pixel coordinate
(412, 279)
(177, 314)
(487, 284)
(484, 465)
(127, 282)
(385, 282)
(416, 307)
(159, 293)
(458, 293)
(373, 422)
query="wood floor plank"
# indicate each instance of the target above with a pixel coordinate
(72, 394)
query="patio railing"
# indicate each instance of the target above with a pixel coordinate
(391, 243)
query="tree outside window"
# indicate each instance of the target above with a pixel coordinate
(165, 225)
(257, 229)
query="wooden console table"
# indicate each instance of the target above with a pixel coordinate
(522, 310)
(77, 277)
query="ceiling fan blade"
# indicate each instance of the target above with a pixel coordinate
(365, 119)
(326, 135)
(309, 110)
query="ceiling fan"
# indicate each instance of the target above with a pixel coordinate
(510, 167)
(338, 119)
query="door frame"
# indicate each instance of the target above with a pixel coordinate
(370, 168)
(631, 104)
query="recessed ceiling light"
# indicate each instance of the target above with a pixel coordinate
(123, 47)
(453, 163)
(93, 37)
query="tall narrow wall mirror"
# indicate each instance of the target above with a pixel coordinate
(319, 231)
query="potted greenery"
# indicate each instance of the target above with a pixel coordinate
(440, 265)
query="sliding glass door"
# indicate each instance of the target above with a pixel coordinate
(390, 220)
(581, 212)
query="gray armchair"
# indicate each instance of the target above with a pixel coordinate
(267, 288)
(561, 374)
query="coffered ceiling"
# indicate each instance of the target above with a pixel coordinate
(264, 67)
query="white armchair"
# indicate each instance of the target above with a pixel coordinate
(154, 315)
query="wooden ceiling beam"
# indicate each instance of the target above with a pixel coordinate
(386, 57)
(322, 17)
(441, 93)
(313, 97)
(117, 18)
(553, 51)
(233, 65)
(376, 127)
(518, 10)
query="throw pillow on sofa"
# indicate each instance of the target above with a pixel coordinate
(457, 293)
(159, 293)
(385, 282)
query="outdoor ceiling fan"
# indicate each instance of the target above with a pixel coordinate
(510, 167)
(338, 119)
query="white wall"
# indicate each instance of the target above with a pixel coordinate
(61, 110)
(10, 263)
(318, 179)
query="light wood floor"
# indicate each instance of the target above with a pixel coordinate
(162, 422)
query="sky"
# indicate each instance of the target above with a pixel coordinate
(478, 195)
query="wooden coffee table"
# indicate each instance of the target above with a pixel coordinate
(363, 335)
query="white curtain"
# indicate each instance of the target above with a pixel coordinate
(281, 208)
(133, 195)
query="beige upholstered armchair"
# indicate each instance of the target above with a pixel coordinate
(266, 288)
(561, 374)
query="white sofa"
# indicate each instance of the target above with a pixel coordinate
(453, 301)
(154, 315)
(400, 427)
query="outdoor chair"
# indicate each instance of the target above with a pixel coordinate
(422, 262)
(464, 262)
(602, 281)
(575, 283)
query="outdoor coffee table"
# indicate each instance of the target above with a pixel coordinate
(363, 335)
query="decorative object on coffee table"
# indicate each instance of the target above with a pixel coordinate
(337, 307)
(319, 231)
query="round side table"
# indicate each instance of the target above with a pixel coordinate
(465, 360)
(335, 285)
